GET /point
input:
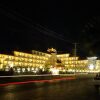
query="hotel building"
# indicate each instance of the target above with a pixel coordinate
(25, 63)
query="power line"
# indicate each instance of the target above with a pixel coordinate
(28, 22)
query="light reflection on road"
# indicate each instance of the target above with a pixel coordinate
(67, 90)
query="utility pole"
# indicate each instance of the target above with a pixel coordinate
(75, 54)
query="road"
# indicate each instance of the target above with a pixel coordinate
(78, 89)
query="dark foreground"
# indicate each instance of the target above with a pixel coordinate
(78, 89)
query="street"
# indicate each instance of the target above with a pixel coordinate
(78, 89)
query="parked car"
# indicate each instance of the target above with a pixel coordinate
(96, 81)
(97, 77)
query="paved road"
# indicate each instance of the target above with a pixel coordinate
(79, 89)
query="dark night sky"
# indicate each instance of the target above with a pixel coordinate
(25, 26)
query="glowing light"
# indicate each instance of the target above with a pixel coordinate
(28, 69)
(1, 66)
(18, 71)
(91, 66)
(32, 68)
(34, 71)
(54, 71)
(23, 69)
(64, 70)
(70, 70)
(41, 67)
(11, 64)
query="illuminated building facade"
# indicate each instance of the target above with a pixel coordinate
(24, 62)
